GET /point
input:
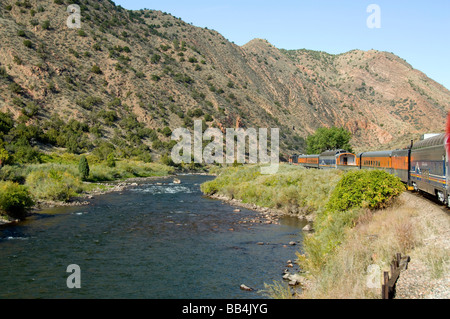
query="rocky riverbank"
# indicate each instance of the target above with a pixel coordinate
(268, 215)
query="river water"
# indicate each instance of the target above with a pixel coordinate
(151, 241)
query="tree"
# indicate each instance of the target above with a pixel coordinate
(110, 160)
(83, 168)
(166, 131)
(328, 139)
(46, 25)
(4, 156)
(96, 69)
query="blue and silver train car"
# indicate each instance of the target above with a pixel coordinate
(341, 159)
(429, 167)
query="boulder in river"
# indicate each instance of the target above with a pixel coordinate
(244, 287)
(307, 228)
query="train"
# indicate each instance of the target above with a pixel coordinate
(423, 166)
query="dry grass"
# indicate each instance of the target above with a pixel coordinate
(375, 240)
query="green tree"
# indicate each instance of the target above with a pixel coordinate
(166, 131)
(46, 25)
(167, 160)
(328, 139)
(83, 168)
(4, 156)
(96, 69)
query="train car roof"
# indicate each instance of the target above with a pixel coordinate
(309, 156)
(432, 141)
(333, 152)
(376, 154)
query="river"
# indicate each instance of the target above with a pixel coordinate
(155, 240)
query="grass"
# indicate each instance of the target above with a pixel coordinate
(436, 259)
(293, 189)
(375, 239)
(58, 178)
(276, 290)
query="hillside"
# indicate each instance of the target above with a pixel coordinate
(127, 78)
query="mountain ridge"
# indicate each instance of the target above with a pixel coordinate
(149, 67)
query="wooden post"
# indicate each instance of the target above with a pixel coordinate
(385, 287)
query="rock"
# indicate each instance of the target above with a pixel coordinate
(237, 210)
(292, 243)
(290, 265)
(244, 287)
(286, 276)
(289, 262)
(307, 228)
(293, 283)
(260, 243)
(176, 181)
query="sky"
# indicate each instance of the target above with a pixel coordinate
(417, 31)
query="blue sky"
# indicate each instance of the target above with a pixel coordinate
(417, 31)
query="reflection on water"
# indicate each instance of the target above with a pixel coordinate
(157, 240)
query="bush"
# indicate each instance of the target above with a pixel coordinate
(366, 188)
(14, 199)
(53, 184)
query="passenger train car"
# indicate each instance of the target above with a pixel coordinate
(423, 167)
(395, 162)
(330, 159)
(429, 168)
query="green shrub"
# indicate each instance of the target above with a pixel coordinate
(53, 184)
(365, 188)
(14, 199)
